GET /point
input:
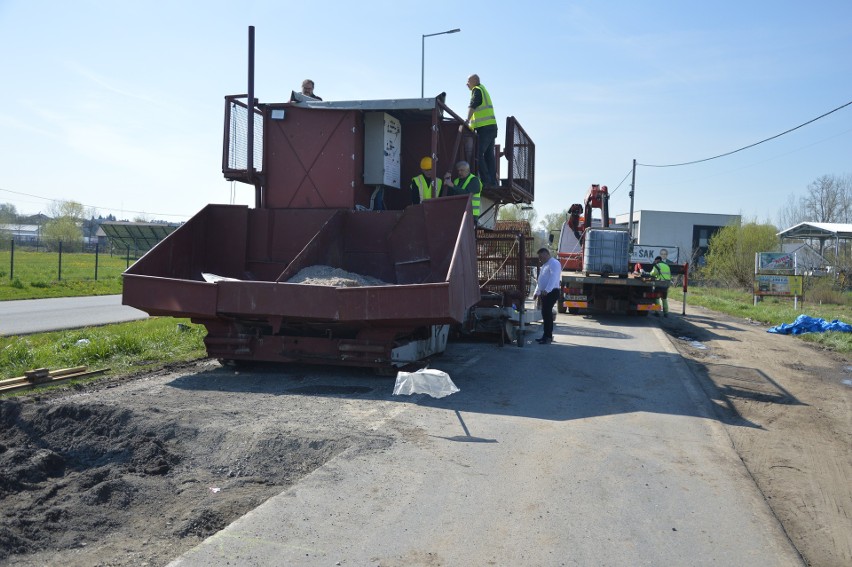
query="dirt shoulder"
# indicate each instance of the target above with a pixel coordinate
(137, 470)
(787, 407)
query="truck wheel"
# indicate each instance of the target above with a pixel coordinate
(507, 334)
(560, 305)
(573, 310)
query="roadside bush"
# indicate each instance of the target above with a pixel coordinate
(40, 284)
(17, 284)
(730, 255)
(821, 290)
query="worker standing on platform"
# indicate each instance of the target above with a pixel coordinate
(422, 187)
(482, 120)
(547, 288)
(661, 271)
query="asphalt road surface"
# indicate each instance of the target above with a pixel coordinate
(599, 449)
(28, 316)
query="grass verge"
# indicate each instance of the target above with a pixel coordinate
(35, 275)
(775, 311)
(123, 348)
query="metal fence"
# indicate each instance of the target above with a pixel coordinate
(235, 146)
(37, 262)
(503, 259)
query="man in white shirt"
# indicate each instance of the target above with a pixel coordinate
(549, 279)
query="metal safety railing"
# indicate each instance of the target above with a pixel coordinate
(502, 257)
(520, 155)
(235, 146)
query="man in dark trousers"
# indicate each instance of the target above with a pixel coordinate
(482, 120)
(547, 288)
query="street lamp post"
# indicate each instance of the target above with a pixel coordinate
(423, 55)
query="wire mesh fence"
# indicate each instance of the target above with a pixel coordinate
(35, 263)
(503, 258)
(236, 137)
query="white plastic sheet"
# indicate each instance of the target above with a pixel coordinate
(435, 383)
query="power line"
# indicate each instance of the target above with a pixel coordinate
(94, 207)
(750, 145)
(629, 171)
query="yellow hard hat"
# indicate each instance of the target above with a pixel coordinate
(426, 163)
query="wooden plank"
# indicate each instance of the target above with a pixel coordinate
(23, 383)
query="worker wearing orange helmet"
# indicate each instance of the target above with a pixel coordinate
(422, 186)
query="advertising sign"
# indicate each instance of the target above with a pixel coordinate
(776, 284)
(645, 254)
(775, 262)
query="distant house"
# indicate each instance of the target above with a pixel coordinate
(101, 237)
(38, 219)
(808, 260)
(23, 233)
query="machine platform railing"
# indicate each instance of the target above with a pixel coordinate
(235, 147)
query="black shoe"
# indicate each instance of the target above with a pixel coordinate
(544, 341)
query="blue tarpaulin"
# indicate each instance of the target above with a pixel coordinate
(805, 324)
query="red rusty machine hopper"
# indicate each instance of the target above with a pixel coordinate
(320, 172)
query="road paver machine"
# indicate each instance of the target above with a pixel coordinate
(330, 185)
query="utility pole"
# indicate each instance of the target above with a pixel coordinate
(632, 189)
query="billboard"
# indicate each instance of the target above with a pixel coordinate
(643, 254)
(777, 284)
(775, 262)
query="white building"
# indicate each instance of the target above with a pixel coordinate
(23, 233)
(688, 233)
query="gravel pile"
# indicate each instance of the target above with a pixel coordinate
(333, 277)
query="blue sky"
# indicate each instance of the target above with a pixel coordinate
(118, 105)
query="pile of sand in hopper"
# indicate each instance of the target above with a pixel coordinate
(333, 277)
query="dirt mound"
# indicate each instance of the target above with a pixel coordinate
(132, 486)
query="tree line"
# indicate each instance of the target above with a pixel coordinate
(67, 222)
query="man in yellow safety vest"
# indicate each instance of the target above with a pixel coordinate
(421, 184)
(661, 271)
(465, 183)
(482, 120)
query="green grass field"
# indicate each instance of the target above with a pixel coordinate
(36, 275)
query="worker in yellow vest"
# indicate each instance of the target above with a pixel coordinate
(661, 271)
(421, 185)
(482, 120)
(465, 183)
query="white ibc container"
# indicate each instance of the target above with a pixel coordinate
(606, 251)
